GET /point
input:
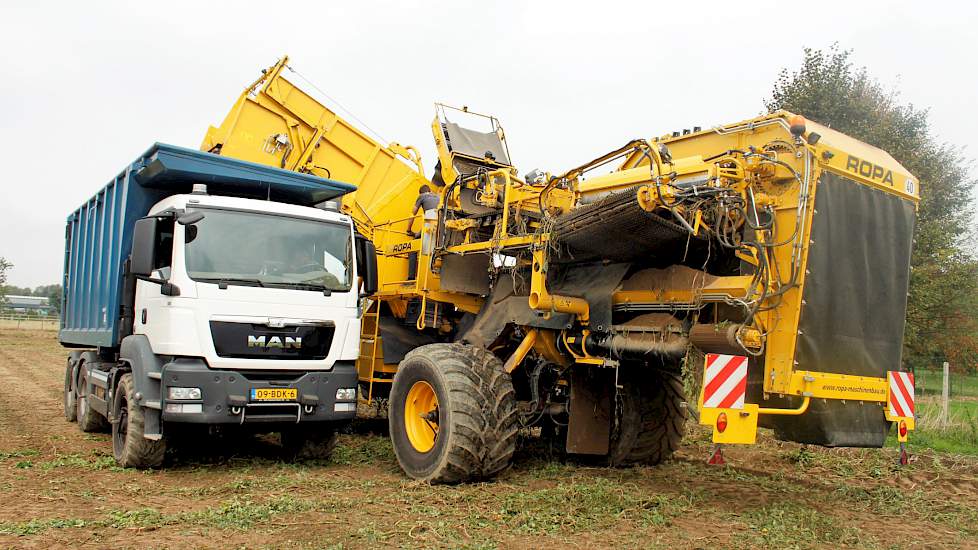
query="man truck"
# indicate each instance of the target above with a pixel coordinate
(205, 292)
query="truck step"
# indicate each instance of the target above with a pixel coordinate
(152, 405)
(155, 375)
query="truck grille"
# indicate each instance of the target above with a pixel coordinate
(250, 341)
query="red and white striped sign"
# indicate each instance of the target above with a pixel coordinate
(901, 394)
(725, 381)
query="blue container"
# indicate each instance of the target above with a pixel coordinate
(98, 236)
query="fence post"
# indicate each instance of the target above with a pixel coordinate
(945, 394)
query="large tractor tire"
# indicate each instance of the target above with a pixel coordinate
(130, 448)
(89, 420)
(651, 418)
(452, 414)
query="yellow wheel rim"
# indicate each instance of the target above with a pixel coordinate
(421, 416)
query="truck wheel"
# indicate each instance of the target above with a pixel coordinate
(130, 448)
(70, 397)
(89, 420)
(651, 418)
(306, 444)
(452, 414)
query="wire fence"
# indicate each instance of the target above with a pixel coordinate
(31, 322)
(960, 384)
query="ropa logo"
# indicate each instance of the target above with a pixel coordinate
(275, 342)
(401, 247)
(869, 170)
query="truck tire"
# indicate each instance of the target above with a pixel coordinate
(651, 418)
(70, 395)
(130, 448)
(452, 414)
(89, 420)
(300, 444)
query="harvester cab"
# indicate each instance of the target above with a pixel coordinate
(463, 151)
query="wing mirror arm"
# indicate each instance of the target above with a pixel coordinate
(166, 287)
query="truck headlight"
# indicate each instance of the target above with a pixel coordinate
(176, 393)
(346, 394)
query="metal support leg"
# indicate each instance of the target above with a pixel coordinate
(716, 459)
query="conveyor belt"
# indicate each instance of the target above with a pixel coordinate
(617, 228)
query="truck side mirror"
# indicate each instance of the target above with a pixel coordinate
(190, 218)
(367, 264)
(144, 246)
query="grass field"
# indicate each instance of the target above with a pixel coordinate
(61, 488)
(27, 323)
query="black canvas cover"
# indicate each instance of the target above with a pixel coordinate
(855, 307)
(396, 339)
(594, 282)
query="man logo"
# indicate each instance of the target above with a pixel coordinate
(275, 342)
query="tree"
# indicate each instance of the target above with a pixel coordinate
(53, 293)
(942, 313)
(11, 290)
(4, 266)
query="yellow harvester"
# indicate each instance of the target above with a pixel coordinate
(571, 302)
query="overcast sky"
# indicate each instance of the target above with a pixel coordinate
(88, 86)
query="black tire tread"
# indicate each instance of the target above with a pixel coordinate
(654, 420)
(70, 397)
(483, 408)
(89, 420)
(137, 452)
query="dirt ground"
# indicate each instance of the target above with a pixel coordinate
(60, 488)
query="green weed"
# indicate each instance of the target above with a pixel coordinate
(96, 461)
(36, 526)
(802, 456)
(586, 505)
(242, 514)
(364, 449)
(791, 525)
(233, 514)
(898, 502)
(4, 455)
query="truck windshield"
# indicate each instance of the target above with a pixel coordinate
(250, 248)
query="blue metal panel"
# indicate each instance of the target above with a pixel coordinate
(99, 234)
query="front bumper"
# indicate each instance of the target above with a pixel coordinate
(225, 395)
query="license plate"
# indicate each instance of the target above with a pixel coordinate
(274, 394)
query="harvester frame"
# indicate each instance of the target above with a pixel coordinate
(510, 280)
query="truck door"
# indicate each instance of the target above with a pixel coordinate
(150, 303)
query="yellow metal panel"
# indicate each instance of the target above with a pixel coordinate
(825, 385)
(741, 424)
(386, 186)
(863, 162)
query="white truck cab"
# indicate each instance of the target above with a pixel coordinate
(212, 294)
(246, 271)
